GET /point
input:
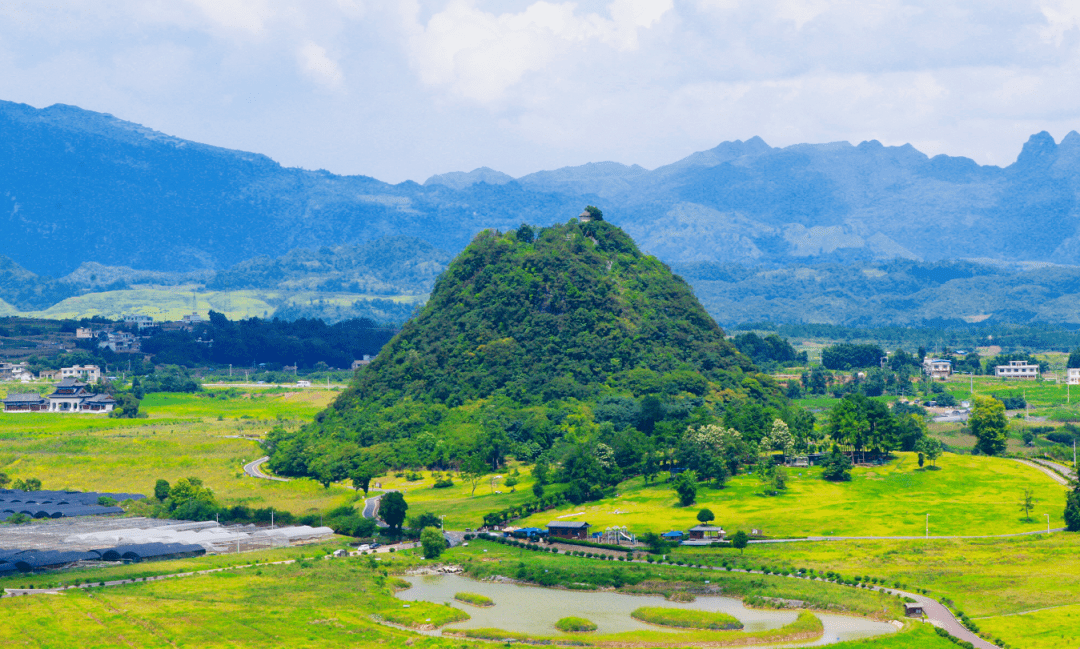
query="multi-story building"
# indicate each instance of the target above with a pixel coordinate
(141, 321)
(1073, 374)
(937, 368)
(1017, 370)
(88, 373)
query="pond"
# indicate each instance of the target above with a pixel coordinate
(534, 610)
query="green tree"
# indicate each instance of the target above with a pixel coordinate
(740, 540)
(473, 469)
(525, 233)
(930, 447)
(1074, 358)
(29, 484)
(780, 479)
(361, 479)
(1072, 508)
(705, 516)
(989, 425)
(392, 509)
(127, 406)
(190, 490)
(594, 213)
(540, 471)
(538, 489)
(686, 486)
(161, 490)
(655, 542)
(433, 542)
(426, 519)
(837, 466)
(4, 480)
(1027, 503)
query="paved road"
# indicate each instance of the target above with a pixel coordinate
(1039, 466)
(253, 470)
(371, 510)
(1057, 466)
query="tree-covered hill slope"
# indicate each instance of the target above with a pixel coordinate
(529, 338)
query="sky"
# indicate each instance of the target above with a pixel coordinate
(405, 89)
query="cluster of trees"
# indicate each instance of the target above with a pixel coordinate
(770, 351)
(246, 343)
(861, 423)
(847, 356)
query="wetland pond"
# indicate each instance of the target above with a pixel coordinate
(534, 610)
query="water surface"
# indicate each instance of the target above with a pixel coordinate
(534, 610)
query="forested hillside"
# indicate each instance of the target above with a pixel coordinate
(532, 338)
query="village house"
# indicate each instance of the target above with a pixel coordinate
(568, 530)
(88, 373)
(1073, 376)
(140, 321)
(937, 368)
(15, 372)
(121, 341)
(84, 333)
(1017, 370)
(707, 532)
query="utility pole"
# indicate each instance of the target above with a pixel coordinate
(927, 525)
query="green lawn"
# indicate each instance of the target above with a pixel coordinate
(182, 437)
(462, 507)
(966, 496)
(1048, 629)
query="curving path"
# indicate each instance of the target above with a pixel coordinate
(371, 510)
(1063, 469)
(253, 470)
(1050, 471)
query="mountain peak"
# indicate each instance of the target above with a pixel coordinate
(1038, 151)
(460, 180)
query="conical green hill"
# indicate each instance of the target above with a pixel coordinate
(520, 329)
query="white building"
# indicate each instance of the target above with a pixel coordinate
(141, 321)
(1017, 370)
(72, 396)
(1073, 375)
(937, 368)
(194, 318)
(84, 333)
(88, 373)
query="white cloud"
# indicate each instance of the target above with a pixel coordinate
(318, 66)
(479, 54)
(245, 15)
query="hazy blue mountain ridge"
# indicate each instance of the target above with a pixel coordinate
(87, 188)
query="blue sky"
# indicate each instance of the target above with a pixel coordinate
(402, 90)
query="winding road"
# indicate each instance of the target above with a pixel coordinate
(253, 470)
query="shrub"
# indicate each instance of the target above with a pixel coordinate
(575, 625)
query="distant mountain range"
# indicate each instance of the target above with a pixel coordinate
(87, 188)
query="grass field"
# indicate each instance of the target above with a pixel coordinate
(185, 435)
(170, 303)
(990, 580)
(966, 496)
(305, 604)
